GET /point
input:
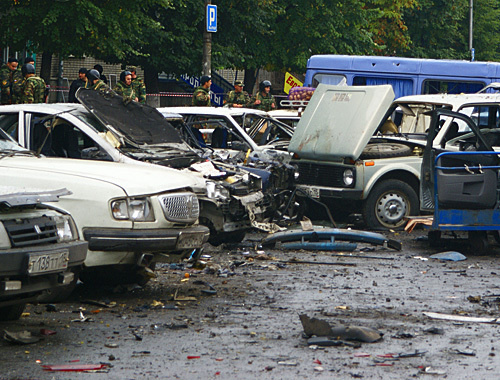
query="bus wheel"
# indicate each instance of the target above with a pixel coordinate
(388, 204)
(385, 150)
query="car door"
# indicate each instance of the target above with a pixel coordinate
(463, 176)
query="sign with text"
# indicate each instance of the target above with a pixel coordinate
(211, 18)
(290, 82)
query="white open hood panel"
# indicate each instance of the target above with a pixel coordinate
(339, 121)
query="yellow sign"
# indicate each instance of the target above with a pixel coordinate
(291, 81)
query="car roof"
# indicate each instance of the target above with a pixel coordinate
(454, 100)
(216, 111)
(42, 107)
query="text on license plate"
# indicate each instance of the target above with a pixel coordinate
(190, 241)
(48, 262)
(313, 192)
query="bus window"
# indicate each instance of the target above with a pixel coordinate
(329, 79)
(401, 87)
(450, 87)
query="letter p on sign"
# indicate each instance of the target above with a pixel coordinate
(211, 18)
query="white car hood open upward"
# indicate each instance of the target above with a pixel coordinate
(339, 121)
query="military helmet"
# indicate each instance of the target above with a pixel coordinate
(93, 74)
(27, 68)
(264, 84)
(124, 74)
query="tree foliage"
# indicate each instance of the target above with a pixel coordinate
(94, 27)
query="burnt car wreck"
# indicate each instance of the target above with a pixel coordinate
(239, 196)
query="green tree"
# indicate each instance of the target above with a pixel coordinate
(91, 27)
(486, 30)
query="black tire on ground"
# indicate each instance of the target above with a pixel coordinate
(59, 294)
(478, 241)
(11, 313)
(388, 204)
(385, 150)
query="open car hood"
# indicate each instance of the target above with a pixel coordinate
(339, 121)
(138, 123)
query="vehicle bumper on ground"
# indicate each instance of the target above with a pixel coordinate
(25, 272)
(155, 240)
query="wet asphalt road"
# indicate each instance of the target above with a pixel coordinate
(250, 329)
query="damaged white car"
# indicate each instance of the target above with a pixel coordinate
(132, 216)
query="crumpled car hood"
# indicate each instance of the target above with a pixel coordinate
(339, 121)
(135, 122)
(12, 196)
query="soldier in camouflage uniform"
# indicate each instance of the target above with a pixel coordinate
(33, 87)
(201, 95)
(237, 98)
(264, 100)
(124, 87)
(93, 81)
(138, 85)
(6, 79)
(18, 82)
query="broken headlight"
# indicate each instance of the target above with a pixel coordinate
(133, 209)
(66, 229)
(348, 177)
(217, 191)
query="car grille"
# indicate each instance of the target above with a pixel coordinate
(28, 232)
(180, 207)
(321, 175)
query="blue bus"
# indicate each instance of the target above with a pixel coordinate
(408, 76)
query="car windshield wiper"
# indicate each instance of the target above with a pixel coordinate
(14, 152)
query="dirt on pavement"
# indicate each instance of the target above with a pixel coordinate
(238, 318)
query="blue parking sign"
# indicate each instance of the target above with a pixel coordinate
(211, 18)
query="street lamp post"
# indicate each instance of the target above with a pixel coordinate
(471, 48)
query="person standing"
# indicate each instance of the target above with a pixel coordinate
(264, 100)
(201, 95)
(76, 84)
(138, 85)
(237, 98)
(6, 79)
(94, 82)
(100, 69)
(34, 87)
(125, 88)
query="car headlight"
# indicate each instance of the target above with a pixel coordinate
(134, 209)
(216, 191)
(348, 177)
(66, 229)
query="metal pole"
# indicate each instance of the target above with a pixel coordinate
(207, 47)
(471, 6)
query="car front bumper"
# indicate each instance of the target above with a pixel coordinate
(152, 241)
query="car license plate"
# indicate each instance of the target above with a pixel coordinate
(48, 262)
(313, 192)
(189, 241)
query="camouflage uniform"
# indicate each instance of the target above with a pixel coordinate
(98, 86)
(201, 97)
(266, 101)
(17, 86)
(6, 84)
(33, 90)
(127, 92)
(234, 97)
(139, 89)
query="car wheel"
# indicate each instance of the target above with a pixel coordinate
(388, 204)
(385, 150)
(11, 313)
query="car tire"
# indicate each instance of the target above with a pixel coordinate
(385, 150)
(11, 313)
(388, 203)
(116, 275)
